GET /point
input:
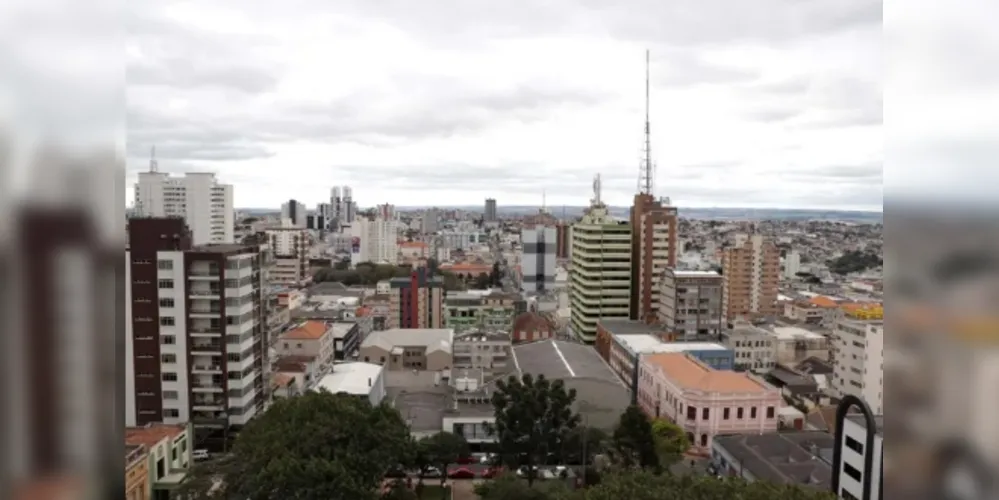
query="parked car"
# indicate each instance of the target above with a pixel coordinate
(200, 455)
(432, 472)
(461, 473)
(397, 472)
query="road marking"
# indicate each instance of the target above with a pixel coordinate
(564, 361)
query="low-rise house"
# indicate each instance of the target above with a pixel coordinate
(486, 351)
(531, 326)
(706, 402)
(364, 380)
(137, 482)
(312, 339)
(169, 450)
(409, 349)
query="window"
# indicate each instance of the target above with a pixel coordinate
(233, 356)
(854, 445)
(725, 413)
(173, 454)
(168, 358)
(169, 377)
(171, 413)
(705, 413)
(704, 440)
(233, 375)
(167, 321)
(166, 283)
(165, 265)
(166, 303)
(170, 395)
(752, 412)
(738, 413)
(852, 472)
(771, 412)
(168, 339)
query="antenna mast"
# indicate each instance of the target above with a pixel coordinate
(154, 166)
(647, 171)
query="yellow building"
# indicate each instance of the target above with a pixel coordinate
(600, 276)
(136, 472)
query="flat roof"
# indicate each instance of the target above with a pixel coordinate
(558, 359)
(859, 419)
(795, 333)
(431, 338)
(687, 373)
(354, 378)
(650, 344)
(628, 327)
(696, 274)
(799, 458)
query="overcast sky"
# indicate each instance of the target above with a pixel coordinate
(765, 103)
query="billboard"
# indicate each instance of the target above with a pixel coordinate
(355, 244)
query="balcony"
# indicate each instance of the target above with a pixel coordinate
(206, 386)
(208, 404)
(202, 418)
(206, 348)
(205, 312)
(205, 292)
(203, 274)
(210, 369)
(208, 332)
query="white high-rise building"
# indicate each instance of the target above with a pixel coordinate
(538, 261)
(792, 264)
(344, 209)
(858, 364)
(294, 212)
(374, 241)
(349, 207)
(431, 217)
(198, 197)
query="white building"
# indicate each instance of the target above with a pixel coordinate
(754, 348)
(375, 241)
(854, 454)
(538, 250)
(294, 212)
(190, 355)
(364, 380)
(858, 366)
(431, 218)
(464, 240)
(205, 205)
(792, 265)
(289, 247)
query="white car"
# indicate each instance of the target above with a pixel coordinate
(432, 472)
(199, 455)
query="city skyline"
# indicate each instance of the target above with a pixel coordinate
(753, 113)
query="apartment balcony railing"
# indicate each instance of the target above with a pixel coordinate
(205, 293)
(206, 332)
(204, 368)
(206, 386)
(211, 347)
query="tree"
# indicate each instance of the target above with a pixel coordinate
(483, 281)
(342, 265)
(583, 444)
(643, 485)
(496, 276)
(510, 487)
(671, 442)
(317, 446)
(634, 444)
(442, 450)
(532, 418)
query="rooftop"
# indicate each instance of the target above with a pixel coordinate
(801, 458)
(879, 420)
(628, 327)
(795, 333)
(696, 274)
(557, 359)
(150, 435)
(309, 330)
(224, 248)
(650, 344)
(354, 378)
(431, 338)
(690, 374)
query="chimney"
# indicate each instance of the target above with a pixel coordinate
(369, 381)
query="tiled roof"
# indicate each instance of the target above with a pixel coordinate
(310, 330)
(690, 374)
(152, 434)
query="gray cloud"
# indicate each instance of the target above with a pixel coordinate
(860, 174)
(680, 68)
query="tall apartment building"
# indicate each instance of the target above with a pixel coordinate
(490, 214)
(344, 208)
(349, 205)
(195, 346)
(294, 212)
(204, 204)
(563, 240)
(416, 301)
(792, 264)
(289, 251)
(375, 240)
(653, 250)
(386, 212)
(690, 304)
(538, 245)
(750, 275)
(600, 277)
(858, 359)
(430, 221)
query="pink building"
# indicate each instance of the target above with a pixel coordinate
(703, 401)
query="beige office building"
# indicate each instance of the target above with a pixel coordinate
(600, 276)
(750, 275)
